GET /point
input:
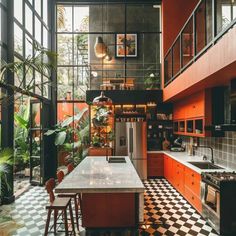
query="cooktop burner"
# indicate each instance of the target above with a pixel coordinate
(217, 177)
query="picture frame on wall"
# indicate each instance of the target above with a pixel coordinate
(128, 41)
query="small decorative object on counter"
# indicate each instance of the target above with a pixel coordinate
(165, 143)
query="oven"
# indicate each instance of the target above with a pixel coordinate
(218, 196)
(210, 197)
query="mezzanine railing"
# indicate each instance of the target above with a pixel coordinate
(209, 21)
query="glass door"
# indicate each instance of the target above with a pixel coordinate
(35, 142)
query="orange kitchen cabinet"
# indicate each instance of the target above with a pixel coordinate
(179, 177)
(195, 110)
(155, 165)
(192, 181)
(193, 188)
(193, 199)
(185, 180)
(168, 169)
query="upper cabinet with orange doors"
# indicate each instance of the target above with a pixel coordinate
(192, 114)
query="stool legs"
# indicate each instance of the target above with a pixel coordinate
(48, 222)
(76, 212)
(66, 222)
(71, 217)
(64, 216)
(55, 220)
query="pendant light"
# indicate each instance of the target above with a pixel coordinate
(102, 100)
(100, 48)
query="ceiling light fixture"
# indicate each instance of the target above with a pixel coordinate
(100, 48)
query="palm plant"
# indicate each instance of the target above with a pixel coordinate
(6, 161)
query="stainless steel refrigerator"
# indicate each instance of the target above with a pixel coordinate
(131, 140)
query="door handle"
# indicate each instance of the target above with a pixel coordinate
(131, 140)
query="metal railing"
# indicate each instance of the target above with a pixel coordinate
(209, 21)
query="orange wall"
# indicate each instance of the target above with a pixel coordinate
(215, 67)
(174, 16)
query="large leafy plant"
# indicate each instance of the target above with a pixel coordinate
(21, 135)
(72, 135)
(6, 161)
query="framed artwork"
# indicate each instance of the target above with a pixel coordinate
(128, 42)
(187, 42)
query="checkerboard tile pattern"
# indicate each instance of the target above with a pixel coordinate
(166, 213)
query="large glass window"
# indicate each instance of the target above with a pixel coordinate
(31, 26)
(80, 28)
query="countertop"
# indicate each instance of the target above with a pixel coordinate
(96, 175)
(184, 158)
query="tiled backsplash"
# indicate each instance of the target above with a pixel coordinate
(224, 149)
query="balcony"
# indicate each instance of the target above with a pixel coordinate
(206, 26)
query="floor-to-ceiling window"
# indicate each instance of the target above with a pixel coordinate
(31, 36)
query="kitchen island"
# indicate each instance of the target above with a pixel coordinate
(112, 193)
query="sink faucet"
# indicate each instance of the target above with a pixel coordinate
(204, 157)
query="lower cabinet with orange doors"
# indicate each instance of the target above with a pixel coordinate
(185, 180)
(155, 165)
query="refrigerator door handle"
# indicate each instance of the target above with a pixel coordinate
(131, 148)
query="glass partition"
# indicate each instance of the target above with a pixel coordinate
(168, 67)
(176, 57)
(187, 43)
(200, 27)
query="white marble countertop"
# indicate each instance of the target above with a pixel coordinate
(184, 158)
(96, 175)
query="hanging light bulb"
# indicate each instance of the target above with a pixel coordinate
(102, 100)
(108, 57)
(100, 48)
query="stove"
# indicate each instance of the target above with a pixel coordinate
(216, 178)
(218, 195)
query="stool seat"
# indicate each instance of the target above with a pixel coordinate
(69, 195)
(59, 203)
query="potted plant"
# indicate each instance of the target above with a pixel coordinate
(101, 116)
(152, 78)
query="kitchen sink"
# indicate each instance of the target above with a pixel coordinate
(205, 165)
(116, 160)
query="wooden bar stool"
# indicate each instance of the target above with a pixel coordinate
(58, 205)
(60, 177)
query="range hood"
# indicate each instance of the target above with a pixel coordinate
(223, 108)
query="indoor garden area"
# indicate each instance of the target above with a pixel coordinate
(117, 118)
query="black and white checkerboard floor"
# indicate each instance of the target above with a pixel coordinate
(166, 213)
